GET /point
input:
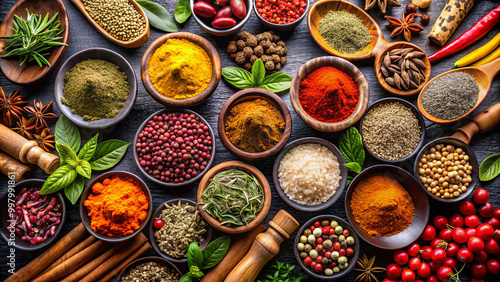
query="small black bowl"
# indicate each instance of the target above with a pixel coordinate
(172, 184)
(343, 174)
(152, 230)
(4, 216)
(417, 114)
(420, 201)
(147, 259)
(282, 27)
(352, 260)
(84, 212)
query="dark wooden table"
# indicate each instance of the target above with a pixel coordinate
(301, 48)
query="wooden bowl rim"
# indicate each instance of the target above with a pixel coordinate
(242, 96)
(283, 27)
(147, 259)
(227, 31)
(207, 46)
(172, 184)
(250, 169)
(84, 212)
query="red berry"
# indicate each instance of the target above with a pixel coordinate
(450, 262)
(431, 278)
(401, 257)
(415, 263)
(456, 220)
(446, 234)
(481, 257)
(491, 246)
(440, 222)
(486, 210)
(407, 275)
(342, 252)
(444, 273)
(336, 246)
(349, 251)
(317, 224)
(158, 224)
(493, 221)
(465, 255)
(414, 249)
(426, 252)
(313, 264)
(475, 244)
(393, 271)
(318, 268)
(434, 265)
(438, 255)
(437, 243)
(429, 233)
(485, 231)
(424, 270)
(452, 249)
(471, 220)
(496, 213)
(480, 196)
(470, 232)
(459, 235)
(466, 208)
(493, 267)
(478, 270)
(307, 261)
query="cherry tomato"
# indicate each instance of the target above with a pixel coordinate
(491, 246)
(424, 270)
(496, 213)
(444, 273)
(431, 278)
(459, 235)
(450, 262)
(475, 244)
(440, 222)
(452, 249)
(307, 261)
(478, 270)
(438, 255)
(486, 210)
(429, 233)
(434, 265)
(466, 208)
(465, 255)
(493, 221)
(158, 224)
(408, 275)
(485, 231)
(393, 271)
(471, 220)
(470, 232)
(480, 196)
(456, 220)
(426, 252)
(493, 267)
(437, 243)
(401, 257)
(446, 234)
(481, 257)
(414, 249)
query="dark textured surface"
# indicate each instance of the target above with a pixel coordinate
(301, 48)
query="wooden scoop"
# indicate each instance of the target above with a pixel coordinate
(484, 76)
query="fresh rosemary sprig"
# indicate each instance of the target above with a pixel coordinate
(32, 37)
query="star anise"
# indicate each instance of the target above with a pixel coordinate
(12, 107)
(382, 4)
(45, 140)
(405, 25)
(367, 269)
(24, 127)
(40, 114)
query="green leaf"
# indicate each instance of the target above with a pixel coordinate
(66, 154)
(88, 149)
(195, 258)
(158, 16)
(182, 11)
(238, 77)
(74, 190)
(67, 133)
(258, 72)
(490, 168)
(59, 179)
(215, 252)
(353, 167)
(277, 82)
(186, 278)
(351, 146)
(108, 154)
(84, 169)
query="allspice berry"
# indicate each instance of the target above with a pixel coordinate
(258, 50)
(265, 44)
(276, 58)
(247, 66)
(283, 60)
(248, 51)
(253, 58)
(240, 58)
(231, 48)
(240, 44)
(251, 41)
(269, 65)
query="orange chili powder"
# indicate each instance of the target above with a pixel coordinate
(117, 206)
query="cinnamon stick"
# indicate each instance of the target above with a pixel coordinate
(146, 247)
(133, 245)
(42, 261)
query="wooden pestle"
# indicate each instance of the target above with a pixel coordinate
(482, 122)
(265, 246)
(146, 247)
(26, 151)
(12, 167)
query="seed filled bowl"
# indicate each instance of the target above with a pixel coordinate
(136, 262)
(284, 26)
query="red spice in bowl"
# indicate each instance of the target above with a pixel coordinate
(281, 11)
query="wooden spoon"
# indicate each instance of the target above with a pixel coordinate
(484, 77)
(134, 43)
(31, 73)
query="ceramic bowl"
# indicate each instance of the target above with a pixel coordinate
(147, 259)
(352, 260)
(4, 216)
(172, 184)
(84, 212)
(343, 173)
(422, 208)
(342, 65)
(248, 169)
(249, 95)
(152, 231)
(106, 55)
(282, 27)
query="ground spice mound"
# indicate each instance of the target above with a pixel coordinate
(381, 205)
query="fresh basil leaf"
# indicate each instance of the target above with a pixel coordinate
(277, 82)
(351, 146)
(238, 77)
(88, 149)
(258, 72)
(67, 133)
(74, 190)
(108, 154)
(61, 178)
(349, 179)
(182, 11)
(489, 168)
(353, 167)
(186, 278)
(67, 154)
(215, 252)
(84, 169)
(158, 16)
(195, 258)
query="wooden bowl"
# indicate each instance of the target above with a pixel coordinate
(420, 122)
(248, 169)
(472, 161)
(340, 64)
(134, 43)
(206, 24)
(352, 260)
(106, 55)
(183, 103)
(84, 212)
(31, 73)
(343, 173)
(282, 27)
(147, 259)
(422, 208)
(172, 184)
(152, 230)
(248, 95)
(11, 238)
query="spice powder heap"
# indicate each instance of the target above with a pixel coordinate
(151, 271)
(381, 205)
(254, 126)
(117, 206)
(180, 69)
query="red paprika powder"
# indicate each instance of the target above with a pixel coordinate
(328, 94)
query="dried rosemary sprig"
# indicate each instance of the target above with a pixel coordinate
(367, 269)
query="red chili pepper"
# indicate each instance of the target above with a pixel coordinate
(478, 30)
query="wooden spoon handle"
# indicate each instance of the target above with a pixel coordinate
(482, 122)
(491, 69)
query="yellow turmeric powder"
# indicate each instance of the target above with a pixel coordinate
(117, 206)
(180, 69)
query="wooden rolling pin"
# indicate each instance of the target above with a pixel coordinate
(451, 16)
(12, 167)
(264, 248)
(482, 122)
(26, 151)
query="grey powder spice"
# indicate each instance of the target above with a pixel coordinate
(151, 271)
(451, 96)
(391, 131)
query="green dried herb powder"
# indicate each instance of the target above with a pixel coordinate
(95, 89)
(344, 32)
